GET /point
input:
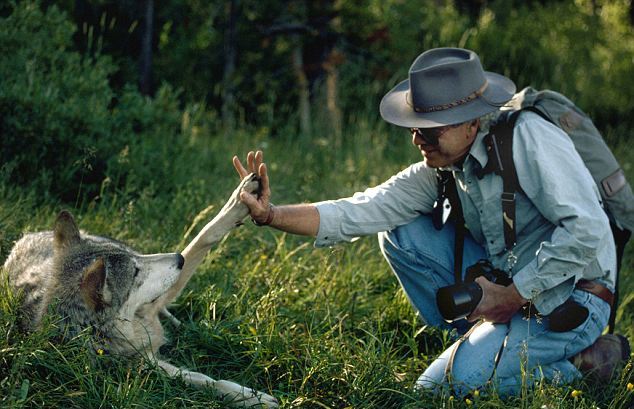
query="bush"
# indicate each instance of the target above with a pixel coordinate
(582, 49)
(64, 130)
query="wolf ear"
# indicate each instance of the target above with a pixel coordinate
(92, 283)
(65, 231)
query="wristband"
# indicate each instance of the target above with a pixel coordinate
(268, 220)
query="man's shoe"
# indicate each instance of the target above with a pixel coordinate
(601, 360)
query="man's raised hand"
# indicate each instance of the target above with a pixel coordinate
(258, 203)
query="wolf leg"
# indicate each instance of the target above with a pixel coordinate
(230, 217)
(240, 396)
(166, 314)
(233, 394)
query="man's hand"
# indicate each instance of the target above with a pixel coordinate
(498, 304)
(259, 207)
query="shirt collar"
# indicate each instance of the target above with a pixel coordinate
(478, 150)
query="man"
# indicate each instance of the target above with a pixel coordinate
(563, 234)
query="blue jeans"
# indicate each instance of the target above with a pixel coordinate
(422, 259)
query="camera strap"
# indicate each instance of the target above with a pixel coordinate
(461, 340)
(448, 205)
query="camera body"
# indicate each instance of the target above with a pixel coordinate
(457, 301)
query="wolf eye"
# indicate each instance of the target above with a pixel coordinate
(137, 270)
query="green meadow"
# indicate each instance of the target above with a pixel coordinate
(316, 328)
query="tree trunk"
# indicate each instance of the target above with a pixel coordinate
(302, 87)
(334, 59)
(146, 86)
(230, 53)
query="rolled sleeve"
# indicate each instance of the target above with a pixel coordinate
(329, 221)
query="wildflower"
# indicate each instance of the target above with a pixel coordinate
(630, 386)
(451, 398)
(100, 351)
(476, 393)
(576, 393)
(468, 402)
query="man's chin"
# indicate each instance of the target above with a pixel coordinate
(431, 163)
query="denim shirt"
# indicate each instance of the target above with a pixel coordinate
(563, 233)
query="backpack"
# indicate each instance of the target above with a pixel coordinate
(615, 190)
(553, 107)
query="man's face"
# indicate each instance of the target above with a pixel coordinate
(453, 143)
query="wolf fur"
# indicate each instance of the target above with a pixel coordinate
(103, 285)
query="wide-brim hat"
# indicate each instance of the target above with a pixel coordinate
(446, 86)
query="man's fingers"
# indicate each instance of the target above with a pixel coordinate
(239, 168)
(264, 178)
(255, 164)
(476, 314)
(258, 160)
(251, 161)
(249, 199)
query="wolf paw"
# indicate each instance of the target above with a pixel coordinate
(234, 205)
(251, 184)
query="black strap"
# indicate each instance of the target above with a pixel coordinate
(621, 237)
(448, 194)
(499, 143)
(459, 237)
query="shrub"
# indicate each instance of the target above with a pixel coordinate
(64, 129)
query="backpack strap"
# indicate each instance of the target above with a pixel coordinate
(499, 145)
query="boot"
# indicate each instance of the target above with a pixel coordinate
(601, 360)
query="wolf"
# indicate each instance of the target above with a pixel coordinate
(103, 285)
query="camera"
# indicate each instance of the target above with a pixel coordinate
(459, 300)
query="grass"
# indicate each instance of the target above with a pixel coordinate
(317, 328)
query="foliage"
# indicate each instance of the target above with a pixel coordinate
(583, 48)
(64, 130)
(71, 120)
(583, 52)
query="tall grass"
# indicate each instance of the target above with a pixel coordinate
(317, 328)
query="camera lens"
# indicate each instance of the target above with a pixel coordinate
(458, 301)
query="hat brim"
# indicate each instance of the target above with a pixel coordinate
(396, 109)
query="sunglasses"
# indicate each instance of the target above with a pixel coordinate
(431, 135)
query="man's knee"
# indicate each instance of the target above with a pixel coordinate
(417, 237)
(466, 365)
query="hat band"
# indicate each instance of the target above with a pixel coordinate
(434, 108)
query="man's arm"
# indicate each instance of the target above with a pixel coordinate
(302, 219)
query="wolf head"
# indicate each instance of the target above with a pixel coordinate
(102, 281)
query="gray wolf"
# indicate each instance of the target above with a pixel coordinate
(98, 283)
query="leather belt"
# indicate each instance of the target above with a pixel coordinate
(597, 289)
